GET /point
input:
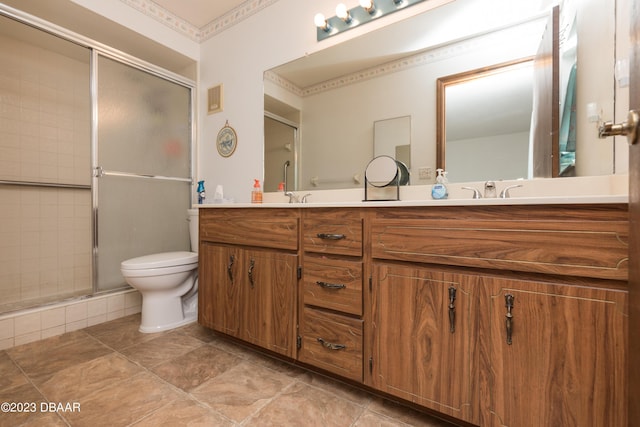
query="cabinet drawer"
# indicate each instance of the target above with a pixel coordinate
(262, 227)
(332, 342)
(334, 284)
(587, 241)
(333, 231)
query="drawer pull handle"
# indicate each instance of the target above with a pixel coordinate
(452, 309)
(330, 285)
(508, 298)
(329, 236)
(252, 264)
(230, 267)
(331, 346)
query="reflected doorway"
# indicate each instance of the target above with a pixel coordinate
(280, 153)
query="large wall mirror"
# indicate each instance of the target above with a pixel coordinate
(338, 94)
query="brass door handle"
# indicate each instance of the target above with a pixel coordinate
(327, 285)
(331, 346)
(628, 128)
(328, 236)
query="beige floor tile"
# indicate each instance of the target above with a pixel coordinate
(42, 359)
(405, 414)
(161, 349)
(73, 384)
(124, 403)
(17, 412)
(198, 331)
(302, 404)
(10, 375)
(196, 367)
(121, 333)
(184, 413)
(242, 390)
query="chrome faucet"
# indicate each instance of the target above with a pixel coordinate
(293, 197)
(490, 189)
(304, 198)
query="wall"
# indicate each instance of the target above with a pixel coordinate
(237, 57)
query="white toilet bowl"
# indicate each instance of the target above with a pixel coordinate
(168, 283)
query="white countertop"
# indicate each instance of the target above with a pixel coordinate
(551, 191)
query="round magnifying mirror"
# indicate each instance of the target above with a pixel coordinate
(381, 171)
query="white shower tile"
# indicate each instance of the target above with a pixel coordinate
(6, 343)
(52, 332)
(95, 320)
(53, 317)
(27, 324)
(132, 299)
(97, 306)
(115, 303)
(27, 338)
(6, 328)
(74, 326)
(76, 312)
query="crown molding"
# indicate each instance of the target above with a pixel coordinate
(234, 16)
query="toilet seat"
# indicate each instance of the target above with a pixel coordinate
(164, 259)
(159, 264)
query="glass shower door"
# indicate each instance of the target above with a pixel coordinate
(142, 164)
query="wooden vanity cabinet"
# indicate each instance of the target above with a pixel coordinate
(553, 354)
(500, 316)
(331, 307)
(424, 337)
(549, 284)
(249, 275)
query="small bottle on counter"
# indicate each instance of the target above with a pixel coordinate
(256, 193)
(440, 190)
(201, 192)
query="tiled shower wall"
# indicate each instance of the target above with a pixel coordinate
(45, 233)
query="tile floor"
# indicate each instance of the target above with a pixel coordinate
(112, 375)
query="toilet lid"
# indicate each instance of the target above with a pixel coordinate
(164, 259)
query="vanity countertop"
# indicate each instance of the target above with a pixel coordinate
(552, 200)
(609, 189)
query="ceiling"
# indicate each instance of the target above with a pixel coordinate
(199, 13)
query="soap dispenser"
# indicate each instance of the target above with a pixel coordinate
(440, 190)
(256, 193)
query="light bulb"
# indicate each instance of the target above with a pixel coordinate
(368, 5)
(342, 12)
(320, 21)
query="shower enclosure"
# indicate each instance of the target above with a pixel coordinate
(95, 164)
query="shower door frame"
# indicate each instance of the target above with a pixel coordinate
(98, 49)
(96, 169)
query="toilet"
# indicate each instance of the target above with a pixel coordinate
(168, 283)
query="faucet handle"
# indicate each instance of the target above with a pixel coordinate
(304, 198)
(504, 194)
(476, 193)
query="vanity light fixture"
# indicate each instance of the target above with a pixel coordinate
(367, 11)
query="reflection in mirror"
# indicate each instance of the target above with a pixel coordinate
(484, 121)
(341, 91)
(392, 137)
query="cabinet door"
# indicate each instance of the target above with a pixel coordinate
(423, 349)
(269, 300)
(218, 288)
(564, 361)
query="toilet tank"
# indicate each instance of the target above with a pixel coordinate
(193, 228)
